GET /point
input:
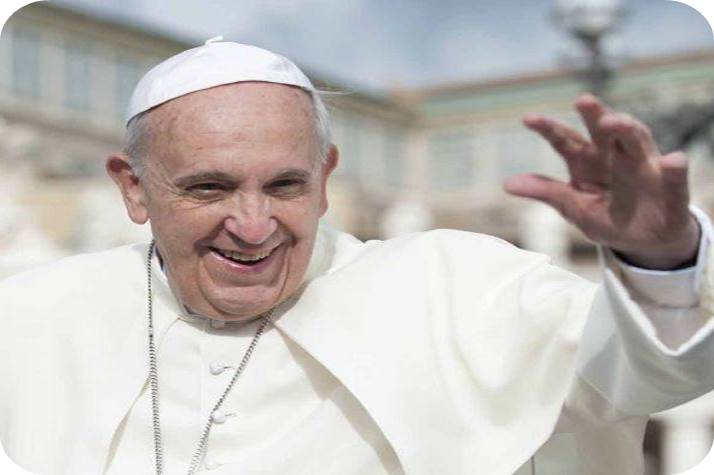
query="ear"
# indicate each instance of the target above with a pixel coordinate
(327, 168)
(131, 188)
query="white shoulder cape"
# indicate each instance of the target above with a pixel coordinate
(462, 348)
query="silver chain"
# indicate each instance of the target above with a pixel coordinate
(153, 371)
(154, 382)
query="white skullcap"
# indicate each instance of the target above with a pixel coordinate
(213, 64)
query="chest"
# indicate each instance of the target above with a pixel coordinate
(284, 413)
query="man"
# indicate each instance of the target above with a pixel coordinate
(249, 339)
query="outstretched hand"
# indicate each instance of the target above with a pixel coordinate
(623, 193)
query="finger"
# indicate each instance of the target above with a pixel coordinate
(630, 139)
(575, 149)
(565, 140)
(674, 168)
(591, 110)
(556, 193)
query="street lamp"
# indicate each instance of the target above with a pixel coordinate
(589, 21)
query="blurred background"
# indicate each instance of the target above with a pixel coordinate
(431, 94)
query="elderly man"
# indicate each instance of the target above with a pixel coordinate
(249, 339)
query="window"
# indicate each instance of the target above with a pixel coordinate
(77, 77)
(352, 136)
(451, 160)
(517, 152)
(26, 63)
(127, 75)
(393, 158)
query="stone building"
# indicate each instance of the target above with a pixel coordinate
(410, 159)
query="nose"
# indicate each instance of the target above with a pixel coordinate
(250, 219)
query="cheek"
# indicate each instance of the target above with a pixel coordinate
(179, 229)
(304, 230)
(300, 220)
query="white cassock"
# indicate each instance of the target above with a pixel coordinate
(442, 352)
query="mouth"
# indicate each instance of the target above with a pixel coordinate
(244, 258)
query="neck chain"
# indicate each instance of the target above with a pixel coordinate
(154, 381)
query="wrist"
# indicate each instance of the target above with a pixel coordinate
(678, 254)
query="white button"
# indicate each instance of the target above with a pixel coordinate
(217, 367)
(212, 465)
(218, 323)
(219, 417)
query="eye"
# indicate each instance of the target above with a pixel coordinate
(287, 186)
(208, 189)
(284, 183)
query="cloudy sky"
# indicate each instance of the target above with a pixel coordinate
(378, 44)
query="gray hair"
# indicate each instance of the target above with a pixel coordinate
(137, 130)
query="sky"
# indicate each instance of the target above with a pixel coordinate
(382, 44)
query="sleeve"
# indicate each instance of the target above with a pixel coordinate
(669, 299)
(648, 344)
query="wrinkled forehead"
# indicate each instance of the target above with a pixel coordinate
(274, 112)
(222, 107)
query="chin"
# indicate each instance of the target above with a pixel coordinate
(238, 308)
(243, 314)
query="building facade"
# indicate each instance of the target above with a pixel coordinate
(410, 159)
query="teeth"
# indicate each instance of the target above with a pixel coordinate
(239, 256)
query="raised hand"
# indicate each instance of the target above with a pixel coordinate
(622, 192)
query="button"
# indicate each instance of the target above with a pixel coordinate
(217, 367)
(218, 323)
(219, 417)
(212, 465)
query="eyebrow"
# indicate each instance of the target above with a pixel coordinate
(201, 177)
(291, 173)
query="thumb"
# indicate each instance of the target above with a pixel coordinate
(558, 194)
(674, 167)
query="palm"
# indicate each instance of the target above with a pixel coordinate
(622, 192)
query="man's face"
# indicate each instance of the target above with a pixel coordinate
(234, 188)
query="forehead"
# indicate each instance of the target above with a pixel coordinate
(251, 111)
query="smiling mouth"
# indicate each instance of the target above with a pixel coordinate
(243, 257)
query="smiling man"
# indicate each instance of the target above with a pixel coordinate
(249, 338)
(238, 225)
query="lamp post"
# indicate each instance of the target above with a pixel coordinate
(589, 21)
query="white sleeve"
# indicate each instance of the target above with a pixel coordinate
(669, 299)
(649, 341)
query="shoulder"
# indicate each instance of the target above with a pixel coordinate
(78, 276)
(451, 240)
(438, 249)
(440, 264)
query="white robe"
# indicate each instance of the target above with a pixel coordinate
(284, 408)
(466, 354)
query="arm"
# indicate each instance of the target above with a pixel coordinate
(669, 299)
(643, 350)
(648, 344)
